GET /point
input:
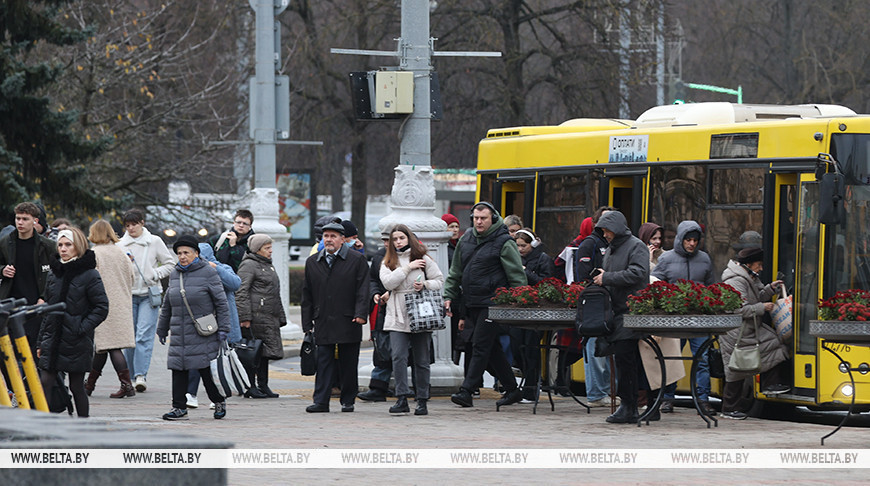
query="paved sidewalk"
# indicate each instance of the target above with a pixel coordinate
(282, 423)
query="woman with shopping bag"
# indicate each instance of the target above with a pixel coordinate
(743, 275)
(407, 269)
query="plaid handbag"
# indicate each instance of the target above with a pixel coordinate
(425, 310)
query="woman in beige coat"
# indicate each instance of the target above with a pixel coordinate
(407, 268)
(116, 332)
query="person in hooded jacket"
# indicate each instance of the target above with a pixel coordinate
(260, 309)
(538, 266)
(687, 262)
(231, 283)
(625, 271)
(743, 275)
(66, 341)
(188, 350)
(596, 369)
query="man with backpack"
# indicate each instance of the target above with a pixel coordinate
(486, 258)
(589, 256)
(625, 270)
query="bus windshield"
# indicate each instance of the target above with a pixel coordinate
(848, 264)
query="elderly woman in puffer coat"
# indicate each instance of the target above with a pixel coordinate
(407, 268)
(66, 341)
(742, 274)
(188, 350)
(260, 310)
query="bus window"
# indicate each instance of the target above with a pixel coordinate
(486, 187)
(562, 204)
(849, 265)
(676, 194)
(806, 288)
(785, 266)
(735, 206)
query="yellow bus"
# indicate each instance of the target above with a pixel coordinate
(731, 167)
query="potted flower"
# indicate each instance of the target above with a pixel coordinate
(549, 302)
(705, 308)
(844, 317)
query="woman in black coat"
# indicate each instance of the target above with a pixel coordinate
(258, 301)
(188, 350)
(538, 266)
(66, 341)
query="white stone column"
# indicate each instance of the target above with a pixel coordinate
(264, 204)
(413, 204)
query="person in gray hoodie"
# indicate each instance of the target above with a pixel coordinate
(625, 270)
(687, 262)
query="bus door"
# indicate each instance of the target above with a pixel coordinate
(517, 196)
(781, 264)
(625, 192)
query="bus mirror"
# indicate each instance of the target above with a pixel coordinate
(831, 192)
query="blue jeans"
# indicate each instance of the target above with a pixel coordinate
(381, 374)
(145, 327)
(702, 388)
(597, 371)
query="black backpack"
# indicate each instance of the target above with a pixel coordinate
(594, 312)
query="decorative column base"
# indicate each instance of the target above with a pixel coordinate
(263, 202)
(413, 204)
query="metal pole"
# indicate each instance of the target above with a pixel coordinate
(264, 84)
(263, 199)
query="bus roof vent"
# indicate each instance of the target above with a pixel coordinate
(724, 113)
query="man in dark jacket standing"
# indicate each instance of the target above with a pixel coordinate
(335, 296)
(687, 262)
(485, 259)
(625, 271)
(24, 261)
(231, 246)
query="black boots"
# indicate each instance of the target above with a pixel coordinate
(401, 406)
(462, 398)
(373, 395)
(421, 407)
(625, 414)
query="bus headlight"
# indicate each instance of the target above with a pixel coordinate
(846, 390)
(844, 367)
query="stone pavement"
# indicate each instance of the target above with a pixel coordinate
(282, 423)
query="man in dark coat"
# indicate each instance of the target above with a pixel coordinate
(231, 246)
(24, 260)
(486, 258)
(687, 262)
(625, 271)
(335, 302)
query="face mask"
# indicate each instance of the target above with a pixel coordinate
(349, 244)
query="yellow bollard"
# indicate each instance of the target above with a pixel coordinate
(5, 401)
(33, 382)
(12, 370)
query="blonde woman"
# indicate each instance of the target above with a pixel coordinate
(116, 332)
(66, 341)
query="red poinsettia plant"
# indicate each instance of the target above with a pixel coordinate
(685, 297)
(846, 305)
(548, 292)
